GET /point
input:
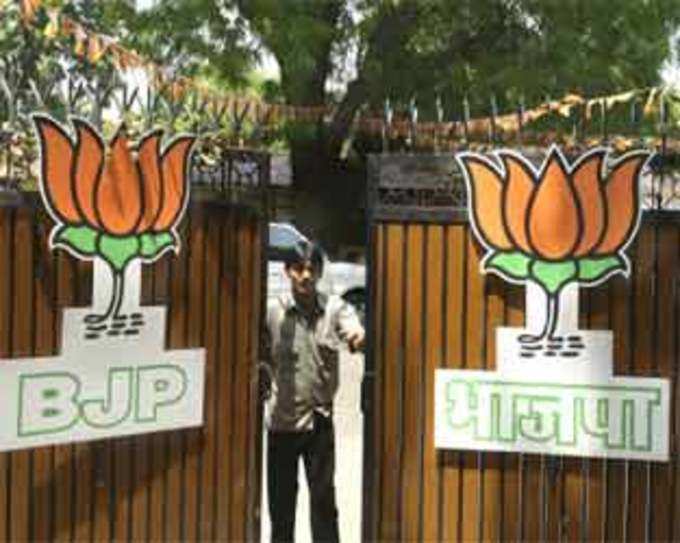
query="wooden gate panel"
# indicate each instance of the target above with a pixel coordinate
(432, 308)
(194, 484)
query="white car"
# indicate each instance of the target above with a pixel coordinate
(345, 279)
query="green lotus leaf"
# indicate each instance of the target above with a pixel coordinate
(118, 252)
(82, 240)
(514, 265)
(152, 245)
(591, 270)
(552, 276)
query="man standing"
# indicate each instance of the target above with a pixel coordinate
(306, 330)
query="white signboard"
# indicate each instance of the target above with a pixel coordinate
(117, 208)
(553, 390)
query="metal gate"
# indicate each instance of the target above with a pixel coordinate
(430, 308)
(198, 484)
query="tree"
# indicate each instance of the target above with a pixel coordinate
(510, 49)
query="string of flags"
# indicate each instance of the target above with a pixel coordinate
(95, 46)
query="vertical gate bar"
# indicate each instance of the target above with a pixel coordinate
(211, 225)
(432, 354)
(84, 459)
(543, 501)
(233, 373)
(474, 332)
(63, 490)
(594, 507)
(644, 364)
(22, 335)
(481, 456)
(240, 380)
(674, 525)
(120, 502)
(380, 369)
(219, 453)
(175, 446)
(455, 274)
(260, 303)
(412, 416)
(195, 325)
(369, 386)
(160, 443)
(442, 363)
(649, 514)
(141, 451)
(513, 495)
(424, 371)
(460, 456)
(44, 345)
(494, 316)
(391, 371)
(401, 379)
(225, 376)
(253, 300)
(662, 473)
(8, 238)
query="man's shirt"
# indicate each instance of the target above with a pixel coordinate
(304, 351)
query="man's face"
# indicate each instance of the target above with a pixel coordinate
(303, 278)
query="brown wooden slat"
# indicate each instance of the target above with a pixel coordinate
(618, 476)
(141, 448)
(244, 310)
(411, 453)
(224, 382)
(377, 303)
(95, 497)
(194, 317)
(532, 513)
(210, 319)
(554, 495)
(122, 466)
(675, 402)
(175, 446)
(434, 338)
(392, 361)
(86, 466)
(64, 475)
(158, 443)
(474, 359)
(662, 481)
(254, 427)
(513, 463)
(674, 530)
(599, 310)
(492, 462)
(644, 334)
(45, 339)
(22, 345)
(454, 340)
(6, 225)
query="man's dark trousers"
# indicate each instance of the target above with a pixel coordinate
(317, 448)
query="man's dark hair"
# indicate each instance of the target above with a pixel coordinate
(304, 251)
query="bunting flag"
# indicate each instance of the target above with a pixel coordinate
(94, 47)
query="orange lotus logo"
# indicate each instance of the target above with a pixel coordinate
(559, 224)
(109, 203)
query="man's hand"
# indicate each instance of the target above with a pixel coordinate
(356, 341)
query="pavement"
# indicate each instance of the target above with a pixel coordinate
(348, 422)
